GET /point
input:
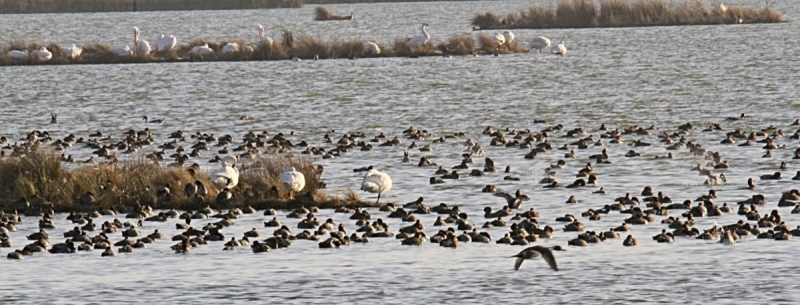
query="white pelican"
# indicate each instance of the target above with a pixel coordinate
(140, 46)
(230, 47)
(122, 51)
(540, 43)
(721, 8)
(202, 50)
(227, 176)
(165, 43)
(292, 181)
(263, 39)
(376, 181)
(420, 39)
(537, 251)
(559, 49)
(372, 48)
(42, 54)
(509, 36)
(73, 51)
(499, 39)
(16, 54)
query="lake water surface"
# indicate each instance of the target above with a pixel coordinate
(662, 76)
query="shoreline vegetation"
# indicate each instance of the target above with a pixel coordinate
(289, 47)
(323, 14)
(38, 183)
(623, 13)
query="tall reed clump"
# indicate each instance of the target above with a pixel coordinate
(41, 175)
(324, 14)
(623, 13)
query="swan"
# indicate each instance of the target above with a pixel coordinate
(499, 39)
(372, 48)
(376, 181)
(73, 51)
(420, 39)
(201, 50)
(140, 46)
(42, 54)
(509, 36)
(559, 49)
(230, 47)
(292, 181)
(227, 176)
(122, 51)
(165, 43)
(263, 39)
(540, 43)
(15, 54)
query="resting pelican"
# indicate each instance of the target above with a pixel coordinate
(263, 39)
(292, 181)
(165, 43)
(499, 39)
(16, 54)
(509, 36)
(230, 47)
(42, 54)
(420, 39)
(537, 251)
(140, 46)
(227, 176)
(202, 50)
(372, 48)
(376, 181)
(73, 51)
(122, 51)
(540, 43)
(559, 49)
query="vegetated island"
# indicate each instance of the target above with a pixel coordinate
(624, 13)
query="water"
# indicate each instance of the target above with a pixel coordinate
(662, 76)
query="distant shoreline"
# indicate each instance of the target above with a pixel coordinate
(102, 6)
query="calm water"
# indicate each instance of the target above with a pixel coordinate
(622, 77)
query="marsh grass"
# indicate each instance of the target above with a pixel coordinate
(303, 46)
(133, 182)
(323, 14)
(488, 46)
(622, 13)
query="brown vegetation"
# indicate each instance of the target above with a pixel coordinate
(40, 177)
(304, 47)
(623, 13)
(324, 14)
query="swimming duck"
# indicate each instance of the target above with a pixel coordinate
(630, 241)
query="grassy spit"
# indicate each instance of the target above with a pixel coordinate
(303, 47)
(623, 13)
(40, 177)
(93, 6)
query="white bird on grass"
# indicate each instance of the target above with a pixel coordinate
(540, 43)
(263, 39)
(372, 48)
(293, 181)
(165, 43)
(227, 176)
(509, 36)
(230, 47)
(74, 52)
(16, 54)
(140, 46)
(42, 54)
(376, 181)
(201, 50)
(420, 39)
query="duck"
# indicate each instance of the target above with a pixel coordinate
(630, 241)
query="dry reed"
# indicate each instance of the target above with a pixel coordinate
(623, 13)
(40, 175)
(324, 14)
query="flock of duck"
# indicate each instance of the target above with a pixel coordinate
(516, 214)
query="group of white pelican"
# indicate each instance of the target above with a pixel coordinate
(499, 39)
